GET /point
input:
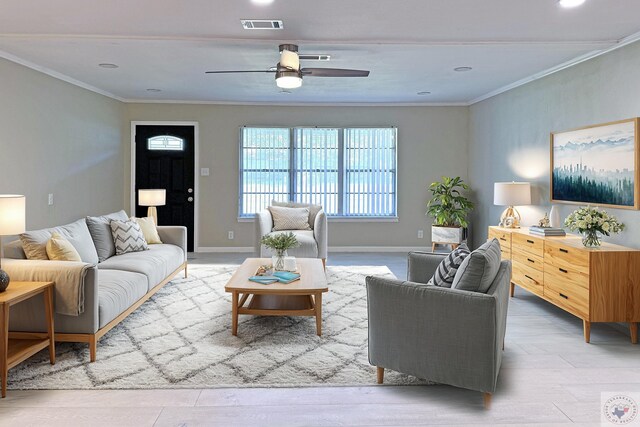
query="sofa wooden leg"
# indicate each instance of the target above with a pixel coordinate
(324, 263)
(380, 374)
(93, 347)
(185, 271)
(487, 400)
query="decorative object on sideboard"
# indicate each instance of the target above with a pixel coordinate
(596, 165)
(554, 217)
(449, 209)
(591, 222)
(152, 198)
(544, 222)
(279, 244)
(12, 222)
(511, 194)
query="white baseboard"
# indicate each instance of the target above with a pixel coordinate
(229, 249)
(378, 248)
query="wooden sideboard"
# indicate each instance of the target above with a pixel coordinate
(596, 285)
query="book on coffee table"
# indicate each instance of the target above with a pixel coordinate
(264, 280)
(286, 276)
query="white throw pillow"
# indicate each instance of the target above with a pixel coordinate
(289, 218)
(149, 230)
(127, 237)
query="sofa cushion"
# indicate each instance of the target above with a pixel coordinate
(60, 249)
(289, 218)
(101, 233)
(448, 267)
(117, 291)
(127, 236)
(308, 246)
(156, 263)
(313, 209)
(149, 230)
(34, 242)
(479, 269)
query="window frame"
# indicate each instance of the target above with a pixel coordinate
(341, 173)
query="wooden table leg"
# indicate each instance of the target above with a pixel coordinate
(587, 330)
(633, 328)
(318, 307)
(4, 346)
(48, 310)
(234, 313)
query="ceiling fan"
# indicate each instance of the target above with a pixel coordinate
(289, 74)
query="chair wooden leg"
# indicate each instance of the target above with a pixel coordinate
(486, 397)
(324, 263)
(380, 375)
(512, 289)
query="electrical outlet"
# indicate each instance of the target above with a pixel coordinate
(230, 235)
(50, 199)
(420, 234)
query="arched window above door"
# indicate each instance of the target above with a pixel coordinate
(165, 142)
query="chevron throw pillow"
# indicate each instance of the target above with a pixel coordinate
(127, 236)
(447, 268)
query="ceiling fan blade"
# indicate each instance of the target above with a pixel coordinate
(334, 72)
(240, 71)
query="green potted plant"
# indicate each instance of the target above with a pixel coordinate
(279, 243)
(449, 209)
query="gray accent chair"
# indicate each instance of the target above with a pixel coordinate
(313, 243)
(448, 336)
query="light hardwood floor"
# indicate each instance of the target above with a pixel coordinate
(549, 376)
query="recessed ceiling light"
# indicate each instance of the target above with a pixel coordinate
(262, 2)
(570, 3)
(107, 65)
(462, 69)
(154, 90)
(424, 92)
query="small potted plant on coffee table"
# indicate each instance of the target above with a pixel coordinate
(449, 209)
(279, 244)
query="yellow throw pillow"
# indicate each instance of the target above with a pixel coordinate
(60, 249)
(148, 227)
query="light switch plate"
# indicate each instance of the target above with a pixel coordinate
(50, 199)
(204, 171)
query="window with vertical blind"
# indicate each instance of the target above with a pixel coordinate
(351, 172)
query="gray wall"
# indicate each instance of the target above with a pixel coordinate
(432, 141)
(58, 138)
(510, 132)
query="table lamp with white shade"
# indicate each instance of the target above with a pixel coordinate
(511, 194)
(12, 221)
(152, 198)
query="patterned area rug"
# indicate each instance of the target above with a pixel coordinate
(181, 338)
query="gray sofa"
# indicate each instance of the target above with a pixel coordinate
(445, 335)
(113, 288)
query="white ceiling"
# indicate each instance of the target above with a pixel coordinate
(408, 45)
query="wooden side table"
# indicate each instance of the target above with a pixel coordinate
(22, 345)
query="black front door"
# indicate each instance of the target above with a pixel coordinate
(165, 158)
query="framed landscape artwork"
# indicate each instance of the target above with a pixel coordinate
(596, 165)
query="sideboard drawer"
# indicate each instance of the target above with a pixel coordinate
(527, 278)
(504, 237)
(527, 243)
(564, 255)
(527, 258)
(573, 298)
(554, 274)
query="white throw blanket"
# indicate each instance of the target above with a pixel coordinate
(68, 277)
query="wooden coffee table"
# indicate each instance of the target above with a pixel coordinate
(300, 298)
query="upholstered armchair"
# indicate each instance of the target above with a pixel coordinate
(313, 242)
(449, 336)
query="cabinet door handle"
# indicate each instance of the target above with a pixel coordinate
(530, 260)
(563, 295)
(564, 250)
(563, 270)
(530, 241)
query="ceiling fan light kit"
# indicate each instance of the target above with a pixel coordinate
(288, 71)
(570, 3)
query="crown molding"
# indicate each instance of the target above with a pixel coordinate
(575, 61)
(300, 104)
(57, 75)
